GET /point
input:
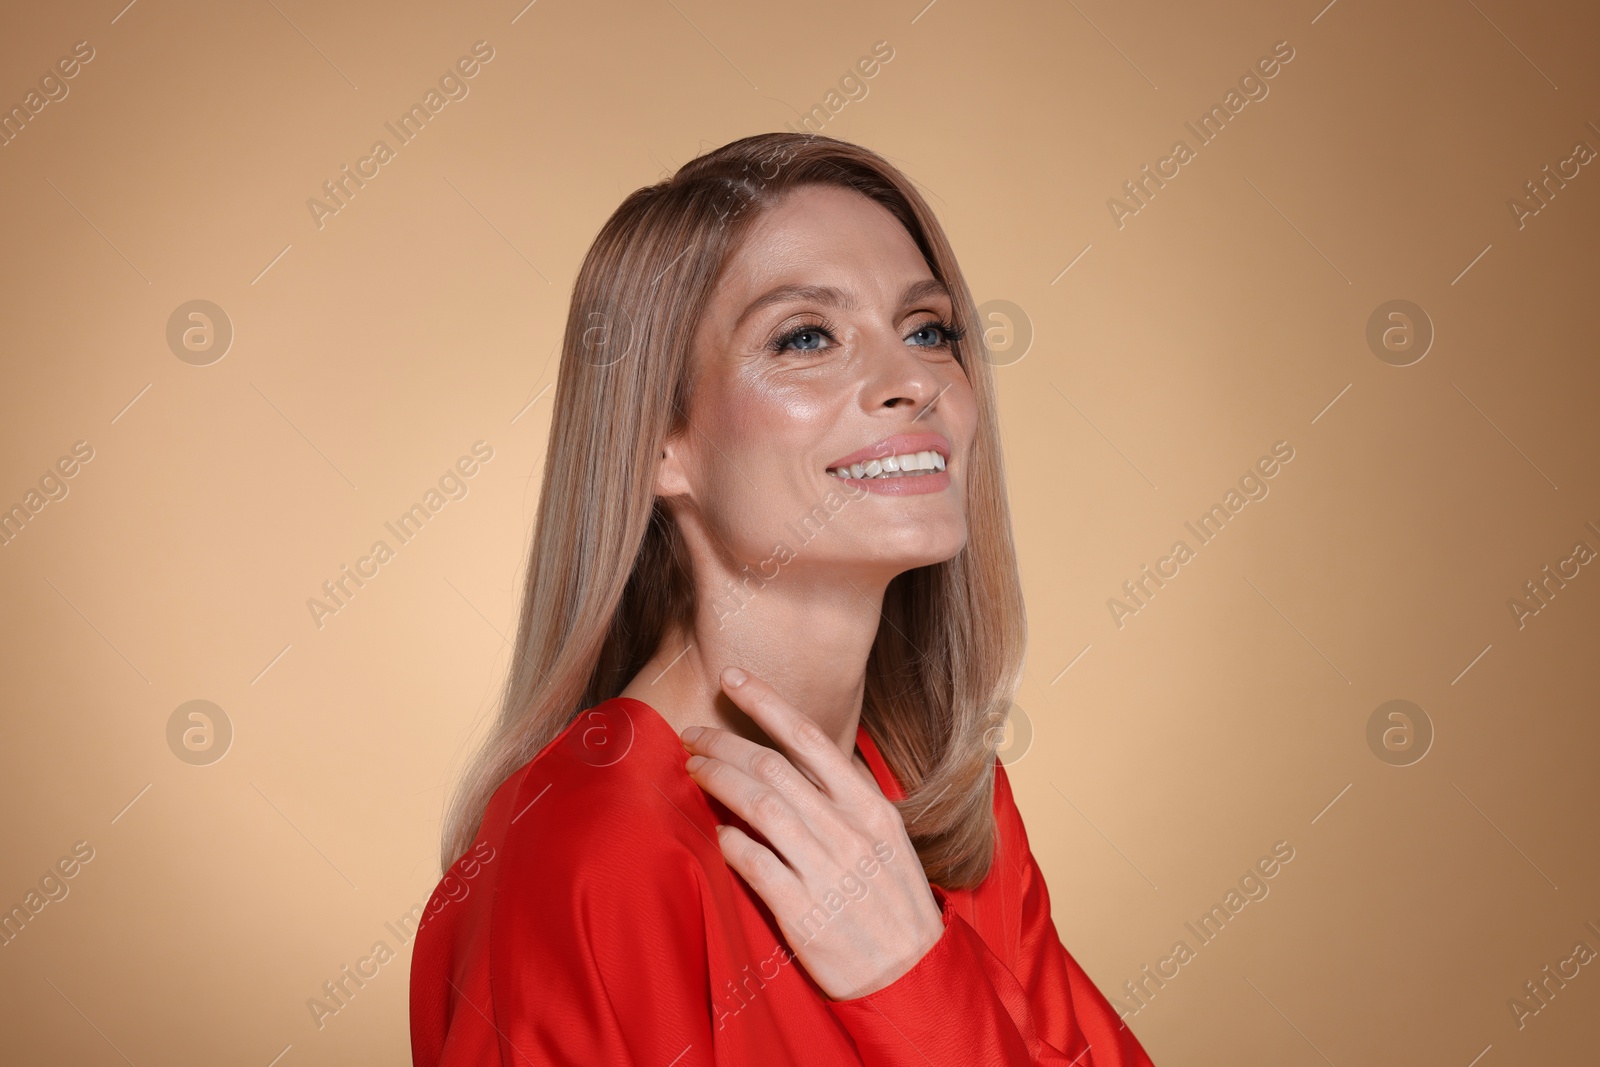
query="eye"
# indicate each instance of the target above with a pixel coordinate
(806, 332)
(947, 332)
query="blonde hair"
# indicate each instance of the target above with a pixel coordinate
(608, 577)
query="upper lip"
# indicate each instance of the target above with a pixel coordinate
(897, 445)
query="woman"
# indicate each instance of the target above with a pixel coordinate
(742, 803)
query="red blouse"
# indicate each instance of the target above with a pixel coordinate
(596, 922)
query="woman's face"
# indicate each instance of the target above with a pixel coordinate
(787, 384)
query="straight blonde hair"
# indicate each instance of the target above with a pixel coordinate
(608, 578)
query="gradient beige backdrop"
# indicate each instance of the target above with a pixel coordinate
(1151, 355)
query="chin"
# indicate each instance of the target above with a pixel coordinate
(919, 549)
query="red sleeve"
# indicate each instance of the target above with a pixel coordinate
(961, 1005)
(593, 950)
(609, 968)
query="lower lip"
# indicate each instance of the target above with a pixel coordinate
(906, 485)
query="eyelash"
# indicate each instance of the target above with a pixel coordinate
(949, 330)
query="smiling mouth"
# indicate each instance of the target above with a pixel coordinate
(906, 465)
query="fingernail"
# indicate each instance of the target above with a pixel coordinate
(734, 677)
(691, 733)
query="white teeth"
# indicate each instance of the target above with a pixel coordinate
(907, 465)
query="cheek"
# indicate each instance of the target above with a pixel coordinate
(959, 406)
(778, 431)
(756, 447)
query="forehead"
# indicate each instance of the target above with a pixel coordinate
(825, 235)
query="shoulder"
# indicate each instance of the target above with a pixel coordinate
(589, 907)
(605, 807)
(1008, 818)
(1013, 857)
(594, 855)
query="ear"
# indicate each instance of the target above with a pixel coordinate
(672, 470)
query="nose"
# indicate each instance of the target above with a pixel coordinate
(900, 378)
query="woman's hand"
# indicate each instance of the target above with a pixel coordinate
(845, 883)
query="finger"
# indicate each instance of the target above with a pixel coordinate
(758, 761)
(807, 747)
(772, 880)
(759, 805)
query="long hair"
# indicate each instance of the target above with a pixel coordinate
(608, 576)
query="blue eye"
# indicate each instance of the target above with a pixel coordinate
(797, 334)
(804, 331)
(948, 333)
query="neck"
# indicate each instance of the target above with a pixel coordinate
(806, 634)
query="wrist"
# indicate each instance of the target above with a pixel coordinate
(933, 933)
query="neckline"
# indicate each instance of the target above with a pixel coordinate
(864, 744)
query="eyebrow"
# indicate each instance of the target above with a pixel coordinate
(833, 297)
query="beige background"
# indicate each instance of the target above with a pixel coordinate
(1229, 313)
